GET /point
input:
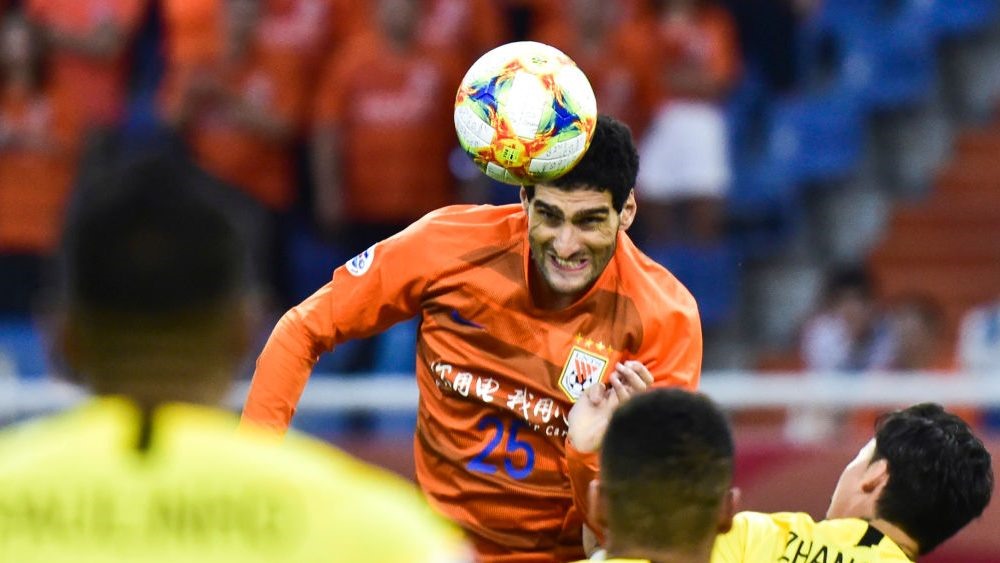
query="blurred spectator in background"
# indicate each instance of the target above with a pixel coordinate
(978, 348)
(685, 173)
(90, 42)
(35, 165)
(461, 28)
(850, 332)
(191, 31)
(979, 339)
(916, 324)
(380, 148)
(239, 110)
(600, 38)
(768, 31)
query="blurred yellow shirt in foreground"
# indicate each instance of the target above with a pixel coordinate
(80, 487)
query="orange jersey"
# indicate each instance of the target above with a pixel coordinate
(496, 375)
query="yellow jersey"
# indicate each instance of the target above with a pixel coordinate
(794, 537)
(81, 487)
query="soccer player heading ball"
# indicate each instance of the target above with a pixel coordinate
(523, 307)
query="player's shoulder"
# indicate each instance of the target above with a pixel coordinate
(470, 226)
(476, 215)
(91, 425)
(649, 281)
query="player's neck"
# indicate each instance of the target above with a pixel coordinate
(898, 536)
(703, 554)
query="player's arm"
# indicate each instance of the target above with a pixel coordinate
(375, 290)
(587, 423)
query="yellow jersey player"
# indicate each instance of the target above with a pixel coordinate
(921, 479)
(666, 472)
(154, 321)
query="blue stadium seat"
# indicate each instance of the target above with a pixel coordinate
(881, 53)
(22, 347)
(763, 207)
(396, 348)
(952, 18)
(890, 63)
(816, 138)
(710, 272)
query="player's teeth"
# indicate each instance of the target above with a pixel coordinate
(567, 263)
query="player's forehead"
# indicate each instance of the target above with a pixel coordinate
(572, 201)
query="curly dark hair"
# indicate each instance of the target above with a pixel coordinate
(611, 163)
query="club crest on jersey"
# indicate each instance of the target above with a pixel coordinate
(360, 263)
(583, 368)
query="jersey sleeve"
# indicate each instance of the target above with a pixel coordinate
(376, 289)
(583, 468)
(672, 341)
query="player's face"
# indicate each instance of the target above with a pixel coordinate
(859, 486)
(572, 235)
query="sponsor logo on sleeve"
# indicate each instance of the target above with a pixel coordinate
(358, 265)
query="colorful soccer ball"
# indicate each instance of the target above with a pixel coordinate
(525, 113)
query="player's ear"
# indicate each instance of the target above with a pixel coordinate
(627, 214)
(595, 506)
(524, 199)
(730, 506)
(875, 478)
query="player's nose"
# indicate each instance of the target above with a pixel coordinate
(566, 242)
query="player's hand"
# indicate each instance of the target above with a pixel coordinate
(588, 419)
(629, 379)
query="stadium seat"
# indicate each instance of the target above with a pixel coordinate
(22, 349)
(396, 348)
(816, 138)
(710, 272)
(763, 208)
(952, 18)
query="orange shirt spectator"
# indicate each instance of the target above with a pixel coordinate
(697, 47)
(467, 28)
(240, 111)
(389, 112)
(89, 40)
(35, 174)
(191, 30)
(34, 166)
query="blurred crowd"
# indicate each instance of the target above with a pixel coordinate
(329, 121)
(325, 125)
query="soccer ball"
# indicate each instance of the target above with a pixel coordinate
(525, 113)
